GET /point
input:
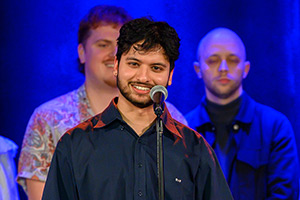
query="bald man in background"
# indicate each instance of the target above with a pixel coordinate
(254, 143)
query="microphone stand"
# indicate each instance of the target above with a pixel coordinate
(158, 109)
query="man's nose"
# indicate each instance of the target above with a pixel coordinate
(113, 50)
(223, 66)
(142, 74)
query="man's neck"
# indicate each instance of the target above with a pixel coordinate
(223, 101)
(100, 96)
(223, 114)
(139, 119)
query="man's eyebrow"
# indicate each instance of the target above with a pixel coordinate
(216, 55)
(132, 58)
(135, 59)
(213, 55)
(161, 64)
(103, 40)
(234, 55)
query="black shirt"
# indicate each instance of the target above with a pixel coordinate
(103, 158)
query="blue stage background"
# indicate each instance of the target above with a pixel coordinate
(38, 56)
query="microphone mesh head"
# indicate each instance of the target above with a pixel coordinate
(158, 88)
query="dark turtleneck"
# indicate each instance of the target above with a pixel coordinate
(223, 114)
(222, 117)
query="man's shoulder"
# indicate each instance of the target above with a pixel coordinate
(80, 133)
(266, 111)
(193, 117)
(64, 102)
(194, 112)
(266, 118)
(86, 127)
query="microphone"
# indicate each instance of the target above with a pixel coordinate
(158, 94)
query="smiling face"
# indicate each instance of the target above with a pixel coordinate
(222, 65)
(97, 54)
(137, 72)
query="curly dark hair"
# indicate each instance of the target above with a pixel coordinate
(97, 16)
(152, 34)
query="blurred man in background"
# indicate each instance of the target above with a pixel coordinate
(254, 143)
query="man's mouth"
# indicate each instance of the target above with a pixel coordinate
(224, 81)
(141, 87)
(109, 65)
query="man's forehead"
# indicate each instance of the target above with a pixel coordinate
(152, 55)
(108, 33)
(221, 39)
(224, 47)
(106, 23)
(138, 48)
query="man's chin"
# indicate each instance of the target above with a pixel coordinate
(220, 94)
(138, 101)
(224, 94)
(141, 104)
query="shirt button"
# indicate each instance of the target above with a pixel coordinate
(140, 165)
(139, 140)
(213, 128)
(122, 128)
(236, 127)
(140, 193)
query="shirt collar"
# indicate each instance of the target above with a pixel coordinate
(203, 117)
(170, 122)
(245, 113)
(111, 113)
(247, 109)
(84, 103)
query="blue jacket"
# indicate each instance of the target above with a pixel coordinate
(265, 164)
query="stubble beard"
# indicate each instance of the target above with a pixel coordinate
(125, 91)
(223, 94)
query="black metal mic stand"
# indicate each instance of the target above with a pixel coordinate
(160, 152)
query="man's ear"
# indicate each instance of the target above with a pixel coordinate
(81, 53)
(170, 77)
(116, 65)
(197, 69)
(246, 69)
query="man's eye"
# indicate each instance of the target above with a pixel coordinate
(157, 68)
(233, 59)
(133, 64)
(236, 61)
(101, 45)
(212, 61)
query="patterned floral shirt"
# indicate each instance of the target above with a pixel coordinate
(48, 123)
